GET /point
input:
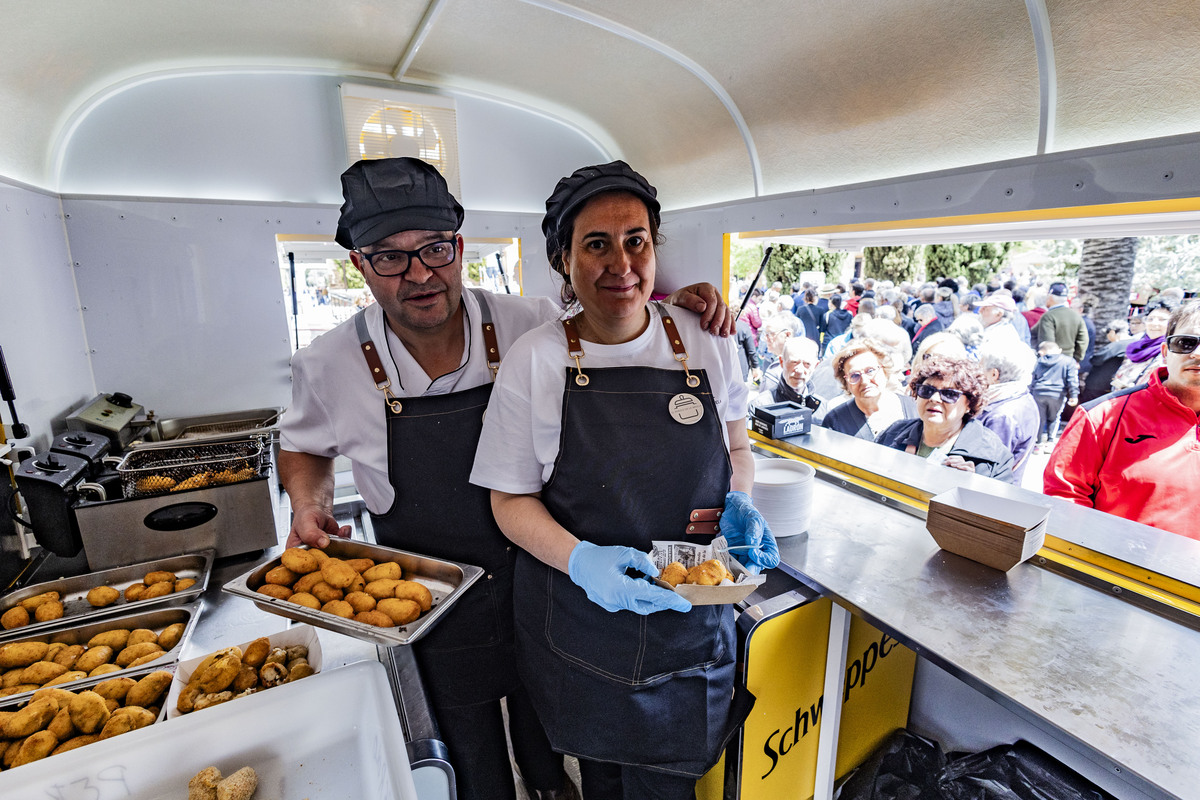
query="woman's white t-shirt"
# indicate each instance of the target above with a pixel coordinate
(521, 429)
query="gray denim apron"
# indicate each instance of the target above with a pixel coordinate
(469, 656)
(655, 690)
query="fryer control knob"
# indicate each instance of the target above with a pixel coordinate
(51, 464)
(78, 439)
(121, 399)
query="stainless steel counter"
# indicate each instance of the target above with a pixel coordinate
(1108, 678)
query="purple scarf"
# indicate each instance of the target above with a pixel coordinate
(1144, 349)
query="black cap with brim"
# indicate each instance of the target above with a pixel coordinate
(1058, 289)
(388, 195)
(585, 183)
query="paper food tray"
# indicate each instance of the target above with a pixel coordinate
(297, 634)
(331, 736)
(690, 555)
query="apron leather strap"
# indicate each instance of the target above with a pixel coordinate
(375, 364)
(575, 348)
(489, 332)
(704, 521)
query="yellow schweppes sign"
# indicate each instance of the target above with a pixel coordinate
(785, 669)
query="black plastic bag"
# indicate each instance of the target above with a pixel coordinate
(1017, 771)
(905, 767)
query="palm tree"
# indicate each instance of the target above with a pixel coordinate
(1106, 277)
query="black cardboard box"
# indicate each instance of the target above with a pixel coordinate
(781, 420)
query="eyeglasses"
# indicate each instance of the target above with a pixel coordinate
(926, 391)
(1182, 344)
(390, 263)
(855, 377)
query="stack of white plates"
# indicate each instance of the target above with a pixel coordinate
(783, 494)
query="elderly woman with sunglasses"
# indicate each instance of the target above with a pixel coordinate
(950, 393)
(864, 370)
(1134, 453)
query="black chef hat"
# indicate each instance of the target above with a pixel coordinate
(389, 195)
(582, 185)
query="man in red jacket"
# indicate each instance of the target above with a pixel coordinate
(1136, 453)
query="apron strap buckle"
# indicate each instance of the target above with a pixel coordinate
(575, 350)
(677, 346)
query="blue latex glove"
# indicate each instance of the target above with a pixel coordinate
(742, 525)
(600, 571)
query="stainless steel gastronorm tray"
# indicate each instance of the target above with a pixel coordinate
(155, 620)
(73, 592)
(446, 581)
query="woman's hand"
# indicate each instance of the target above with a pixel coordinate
(600, 571)
(743, 526)
(958, 462)
(705, 300)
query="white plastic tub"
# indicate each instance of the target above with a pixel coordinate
(334, 735)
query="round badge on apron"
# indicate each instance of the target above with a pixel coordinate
(686, 409)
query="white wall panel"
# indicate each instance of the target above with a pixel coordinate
(40, 327)
(183, 301)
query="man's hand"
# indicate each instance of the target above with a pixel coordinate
(313, 525)
(705, 300)
(1074, 401)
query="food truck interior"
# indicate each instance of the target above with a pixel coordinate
(168, 169)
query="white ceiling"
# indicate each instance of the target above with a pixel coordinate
(721, 100)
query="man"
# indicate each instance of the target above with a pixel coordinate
(399, 390)
(810, 315)
(996, 312)
(1134, 453)
(1062, 324)
(777, 329)
(787, 382)
(857, 290)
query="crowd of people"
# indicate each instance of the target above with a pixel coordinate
(980, 378)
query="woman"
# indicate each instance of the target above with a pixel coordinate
(942, 343)
(864, 370)
(1144, 354)
(1011, 412)
(639, 422)
(969, 329)
(1107, 359)
(950, 393)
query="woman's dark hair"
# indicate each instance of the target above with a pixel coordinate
(962, 375)
(1159, 305)
(566, 232)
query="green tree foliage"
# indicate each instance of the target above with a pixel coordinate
(789, 260)
(896, 264)
(1166, 261)
(979, 262)
(744, 258)
(350, 277)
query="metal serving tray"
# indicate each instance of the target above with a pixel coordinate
(73, 592)
(155, 620)
(446, 581)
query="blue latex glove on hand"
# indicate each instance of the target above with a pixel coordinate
(742, 526)
(600, 571)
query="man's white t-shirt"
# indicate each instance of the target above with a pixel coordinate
(336, 409)
(520, 437)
